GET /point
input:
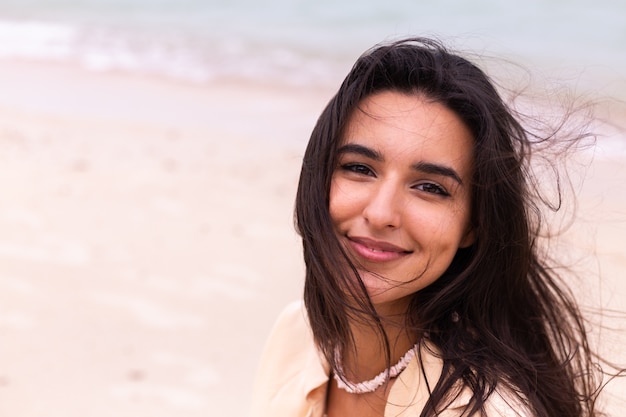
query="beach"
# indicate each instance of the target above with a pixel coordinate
(147, 240)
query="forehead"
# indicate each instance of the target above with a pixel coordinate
(411, 126)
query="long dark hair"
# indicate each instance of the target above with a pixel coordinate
(500, 314)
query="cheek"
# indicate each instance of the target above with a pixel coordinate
(342, 205)
(336, 203)
(441, 229)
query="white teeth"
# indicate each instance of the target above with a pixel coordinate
(375, 250)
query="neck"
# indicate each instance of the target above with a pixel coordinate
(367, 356)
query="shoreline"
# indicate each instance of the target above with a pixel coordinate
(61, 90)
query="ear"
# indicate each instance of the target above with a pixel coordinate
(468, 238)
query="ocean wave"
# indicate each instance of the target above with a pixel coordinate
(191, 56)
(302, 42)
(36, 40)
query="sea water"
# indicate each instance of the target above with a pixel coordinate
(308, 42)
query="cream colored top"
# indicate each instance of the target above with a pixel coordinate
(293, 376)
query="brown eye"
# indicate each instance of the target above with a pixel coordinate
(358, 169)
(432, 188)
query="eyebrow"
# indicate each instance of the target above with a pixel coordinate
(425, 167)
(360, 150)
(437, 169)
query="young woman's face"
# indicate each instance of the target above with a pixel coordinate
(400, 194)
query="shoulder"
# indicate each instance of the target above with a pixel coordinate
(290, 366)
(291, 338)
(293, 318)
(410, 393)
(290, 342)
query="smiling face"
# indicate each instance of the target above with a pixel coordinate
(400, 194)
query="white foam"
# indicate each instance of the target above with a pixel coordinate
(36, 39)
(238, 39)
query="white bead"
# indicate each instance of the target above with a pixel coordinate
(373, 384)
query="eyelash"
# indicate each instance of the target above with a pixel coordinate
(435, 189)
(428, 187)
(358, 169)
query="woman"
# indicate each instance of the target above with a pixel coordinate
(425, 293)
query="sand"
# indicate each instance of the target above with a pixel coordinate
(146, 238)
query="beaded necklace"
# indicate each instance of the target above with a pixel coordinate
(374, 383)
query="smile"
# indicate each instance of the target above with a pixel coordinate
(376, 251)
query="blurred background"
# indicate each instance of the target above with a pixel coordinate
(149, 155)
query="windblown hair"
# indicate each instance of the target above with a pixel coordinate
(500, 316)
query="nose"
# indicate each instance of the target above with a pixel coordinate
(383, 209)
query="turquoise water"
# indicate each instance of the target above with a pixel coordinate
(306, 42)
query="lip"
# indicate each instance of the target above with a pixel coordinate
(375, 250)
